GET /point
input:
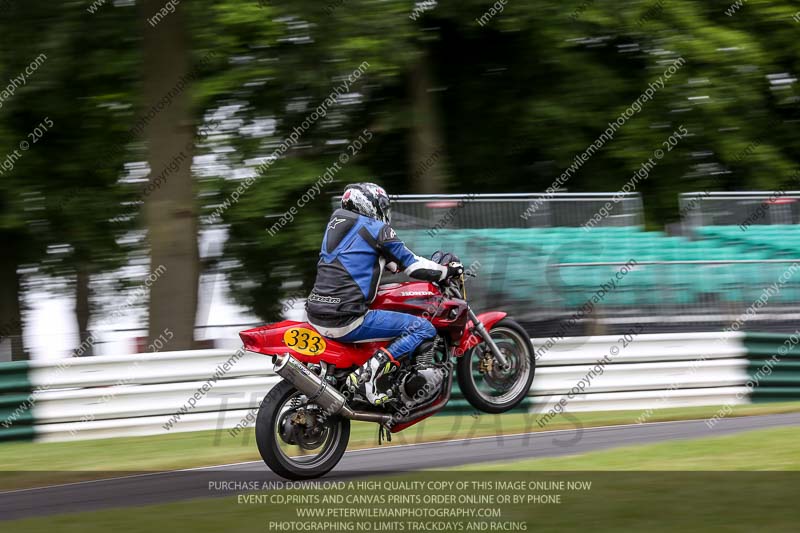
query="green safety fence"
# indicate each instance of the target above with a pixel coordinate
(774, 366)
(16, 412)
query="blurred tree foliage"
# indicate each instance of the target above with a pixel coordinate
(60, 197)
(454, 105)
(516, 101)
(289, 57)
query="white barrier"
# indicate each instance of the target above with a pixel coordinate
(139, 426)
(148, 400)
(165, 367)
(642, 348)
(644, 400)
(642, 376)
(99, 397)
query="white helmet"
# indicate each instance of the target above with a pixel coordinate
(369, 200)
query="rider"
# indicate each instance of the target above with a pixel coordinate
(358, 245)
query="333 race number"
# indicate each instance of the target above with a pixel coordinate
(304, 341)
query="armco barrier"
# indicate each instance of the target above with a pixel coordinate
(109, 396)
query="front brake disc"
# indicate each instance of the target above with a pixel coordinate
(498, 378)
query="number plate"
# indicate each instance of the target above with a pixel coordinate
(304, 341)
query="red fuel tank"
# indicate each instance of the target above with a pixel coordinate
(421, 298)
(412, 297)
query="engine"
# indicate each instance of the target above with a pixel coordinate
(423, 381)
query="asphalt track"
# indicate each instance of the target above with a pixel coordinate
(163, 487)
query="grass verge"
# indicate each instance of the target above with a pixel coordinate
(36, 464)
(769, 449)
(604, 501)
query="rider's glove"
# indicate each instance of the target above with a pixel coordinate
(454, 269)
(444, 258)
(451, 261)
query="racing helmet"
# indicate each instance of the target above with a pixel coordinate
(369, 200)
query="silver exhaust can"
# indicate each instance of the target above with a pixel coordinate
(315, 388)
(320, 392)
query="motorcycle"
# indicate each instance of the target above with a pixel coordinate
(303, 423)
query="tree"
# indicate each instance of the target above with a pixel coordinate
(293, 58)
(170, 212)
(17, 184)
(76, 98)
(90, 101)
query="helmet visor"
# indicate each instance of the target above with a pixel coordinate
(384, 208)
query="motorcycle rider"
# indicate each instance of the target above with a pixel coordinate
(358, 245)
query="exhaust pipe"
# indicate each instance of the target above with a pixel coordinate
(320, 391)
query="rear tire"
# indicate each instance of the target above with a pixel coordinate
(516, 343)
(269, 442)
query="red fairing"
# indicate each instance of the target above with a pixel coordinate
(470, 339)
(278, 338)
(440, 403)
(400, 427)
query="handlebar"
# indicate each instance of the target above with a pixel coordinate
(449, 288)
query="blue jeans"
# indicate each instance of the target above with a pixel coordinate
(408, 330)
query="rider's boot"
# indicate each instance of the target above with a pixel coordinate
(366, 377)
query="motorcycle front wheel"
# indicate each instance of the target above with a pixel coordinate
(487, 386)
(296, 439)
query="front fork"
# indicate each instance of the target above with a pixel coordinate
(487, 338)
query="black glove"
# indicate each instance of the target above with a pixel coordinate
(451, 261)
(444, 258)
(454, 269)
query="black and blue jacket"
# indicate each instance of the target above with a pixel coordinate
(355, 251)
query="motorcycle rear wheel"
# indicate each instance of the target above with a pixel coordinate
(505, 389)
(284, 445)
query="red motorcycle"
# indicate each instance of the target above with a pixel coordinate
(303, 424)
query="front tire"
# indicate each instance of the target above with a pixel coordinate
(283, 445)
(489, 388)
